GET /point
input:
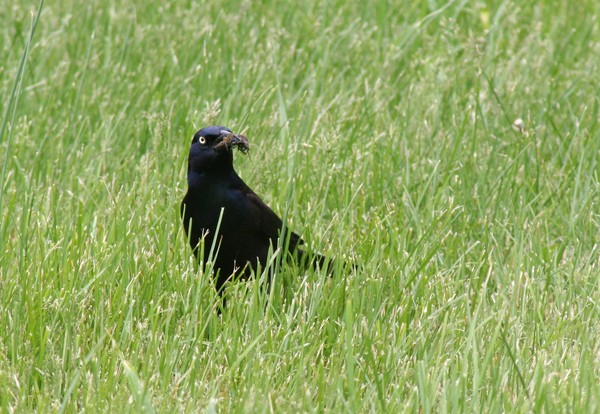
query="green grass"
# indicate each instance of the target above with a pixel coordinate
(382, 131)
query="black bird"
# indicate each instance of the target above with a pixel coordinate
(248, 227)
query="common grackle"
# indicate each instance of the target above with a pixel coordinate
(247, 228)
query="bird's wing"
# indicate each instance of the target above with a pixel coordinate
(270, 223)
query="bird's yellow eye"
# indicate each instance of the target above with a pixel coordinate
(202, 140)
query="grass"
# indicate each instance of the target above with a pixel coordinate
(383, 131)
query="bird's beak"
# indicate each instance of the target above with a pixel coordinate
(228, 140)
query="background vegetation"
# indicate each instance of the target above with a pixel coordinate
(384, 131)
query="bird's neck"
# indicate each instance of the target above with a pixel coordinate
(208, 178)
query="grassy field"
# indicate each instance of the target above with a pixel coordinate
(387, 133)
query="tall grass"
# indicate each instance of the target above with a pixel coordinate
(384, 132)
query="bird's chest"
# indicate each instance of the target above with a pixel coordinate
(211, 206)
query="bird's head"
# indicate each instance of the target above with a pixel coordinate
(212, 148)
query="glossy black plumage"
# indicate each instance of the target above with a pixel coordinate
(248, 226)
